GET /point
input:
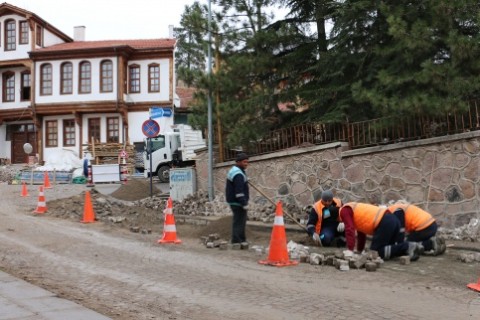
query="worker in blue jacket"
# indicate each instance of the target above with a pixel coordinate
(237, 195)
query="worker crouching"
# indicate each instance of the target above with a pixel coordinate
(324, 224)
(367, 219)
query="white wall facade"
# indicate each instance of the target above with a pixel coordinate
(17, 103)
(5, 150)
(144, 95)
(75, 96)
(21, 52)
(135, 121)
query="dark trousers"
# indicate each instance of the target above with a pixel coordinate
(424, 236)
(385, 238)
(238, 224)
(329, 233)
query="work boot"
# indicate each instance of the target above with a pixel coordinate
(437, 245)
(421, 248)
(442, 245)
(413, 251)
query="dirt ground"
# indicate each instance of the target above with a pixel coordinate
(117, 268)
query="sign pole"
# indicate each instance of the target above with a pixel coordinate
(151, 173)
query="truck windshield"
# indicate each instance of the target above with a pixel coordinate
(158, 143)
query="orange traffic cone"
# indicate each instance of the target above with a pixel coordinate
(474, 286)
(42, 205)
(88, 213)
(46, 180)
(278, 253)
(24, 190)
(169, 229)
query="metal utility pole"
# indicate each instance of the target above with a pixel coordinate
(210, 129)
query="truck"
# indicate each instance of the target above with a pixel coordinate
(171, 149)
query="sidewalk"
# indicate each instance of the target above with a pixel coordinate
(21, 300)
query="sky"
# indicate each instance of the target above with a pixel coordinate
(109, 19)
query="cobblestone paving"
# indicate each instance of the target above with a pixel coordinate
(130, 276)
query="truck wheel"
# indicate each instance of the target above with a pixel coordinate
(163, 174)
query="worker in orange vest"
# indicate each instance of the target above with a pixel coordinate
(323, 223)
(419, 226)
(367, 219)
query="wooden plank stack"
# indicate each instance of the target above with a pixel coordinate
(109, 153)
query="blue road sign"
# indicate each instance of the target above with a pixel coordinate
(158, 112)
(150, 128)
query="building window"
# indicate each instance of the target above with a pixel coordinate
(106, 76)
(45, 79)
(113, 129)
(154, 78)
(8, 87)
(52, 133)
(85, 77)
(26, 86)
(94, 129)
(23, 32)
(39, 36)
(134, 72)
(68, 132)
(10, 35)
(66, 78)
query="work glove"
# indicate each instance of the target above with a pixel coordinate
(246, 207)
(316, 238)
(341, 227)
(347, 254)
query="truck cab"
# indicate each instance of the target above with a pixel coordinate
(171, 149)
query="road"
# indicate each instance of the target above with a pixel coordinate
(129, 276)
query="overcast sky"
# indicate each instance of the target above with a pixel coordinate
(109, 19)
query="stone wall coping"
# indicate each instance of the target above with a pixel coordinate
(410, 144)
(289, 152)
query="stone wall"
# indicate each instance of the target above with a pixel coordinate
(441, 175)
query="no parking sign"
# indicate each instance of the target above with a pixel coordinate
(150, 128)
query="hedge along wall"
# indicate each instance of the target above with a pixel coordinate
(441, 175)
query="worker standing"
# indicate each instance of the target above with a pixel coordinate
(237, 196)
(418, 226)
(367, 219)
(323, 223)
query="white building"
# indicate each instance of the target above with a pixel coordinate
(60, 93)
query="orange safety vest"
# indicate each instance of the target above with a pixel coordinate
(366, 217)
(318, 206)
(416, 219)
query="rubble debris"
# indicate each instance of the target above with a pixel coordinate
(468, 232)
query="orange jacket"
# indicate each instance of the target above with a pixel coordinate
(416, 219)
(366, 217)
(318, 206)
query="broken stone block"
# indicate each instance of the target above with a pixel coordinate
(342, 265)
(372, 255)
(315, 259)
(378, 261)
(404, 260)
(210, 245)
(244, 245)
(236, 246)
(371, 266)
(135, 229)
(223, 245)
(467, 257)
(329, 260)
(214, 236)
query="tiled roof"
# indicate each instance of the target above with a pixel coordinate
(186, 96)
(105, 44)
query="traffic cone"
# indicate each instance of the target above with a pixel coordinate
(278, 253)
(46, 180)
(474, 286)
(88, 213)
(169, 229)
(42, 205)
(24, 190)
